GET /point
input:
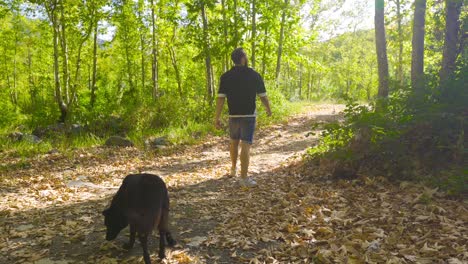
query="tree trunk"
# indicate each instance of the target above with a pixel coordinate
(225, 36)
(5, 63)
(77, 73)
(381, 47)
(31, 85)
(129, 70)
(78, 65)
(128, 60)
(154, 53)
(264, 57)
(369, 83)
(280, 43)
(176, 69)
(206, 48)
(58, 88)
(236, 33)
(300, 81)
(417, 54)
(288, 79)
(348, 82)
(318, 84)
(142, 43)
(452, 26)
(254, 32)
(309, 83)
(173, 56)
(65, 58)
(400, 43)
(14, 92)
(94, 75)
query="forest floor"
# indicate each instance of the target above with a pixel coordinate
(50, 210)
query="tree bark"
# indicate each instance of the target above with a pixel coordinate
(381, 47)
(51, 11)
(280, 43)
(63, 41)
(173, 56)
(78, 64)
(254, 32)
(225, 36)
(264, 57)
(417, 54)
(236, 33)
(400, 43)
(14, 91)
(142, 44)
(369, 83)
(300, 81)
(31, 85)
(206, 48)
(94, 74)
(154, 53)
(452, 26)
(309, 83)
(176, 69)
(128, 58)
(319, 79)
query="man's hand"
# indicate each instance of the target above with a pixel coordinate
(218, 124)
(219, 108)
(266, 103)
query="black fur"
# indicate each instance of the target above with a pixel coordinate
(142, 202)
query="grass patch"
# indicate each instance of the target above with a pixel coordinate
(190, 132)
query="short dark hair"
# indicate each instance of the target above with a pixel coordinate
(237, 55)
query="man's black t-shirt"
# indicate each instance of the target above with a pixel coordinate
(241, 85)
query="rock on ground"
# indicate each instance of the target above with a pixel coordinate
(116, 141)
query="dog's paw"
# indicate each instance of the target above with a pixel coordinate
(171, 242)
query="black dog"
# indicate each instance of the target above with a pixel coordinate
(142, 202)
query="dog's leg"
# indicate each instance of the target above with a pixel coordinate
(131, 242)
(162, 244)
(164, 226)
(170, 240)
(144, 243)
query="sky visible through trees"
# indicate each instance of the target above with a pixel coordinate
(343, 19)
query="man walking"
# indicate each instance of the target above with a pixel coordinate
(241, 85)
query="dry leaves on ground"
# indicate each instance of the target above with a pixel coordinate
(51, 204)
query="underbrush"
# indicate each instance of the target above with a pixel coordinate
(179, 122)
(410, 136)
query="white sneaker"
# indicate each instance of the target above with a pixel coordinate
(248, 182)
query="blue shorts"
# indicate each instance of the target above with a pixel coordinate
(242, 128)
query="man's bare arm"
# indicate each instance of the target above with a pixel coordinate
(219, 109)
(266, 103)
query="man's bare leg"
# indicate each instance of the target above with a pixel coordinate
(234, 151)
(245, 159)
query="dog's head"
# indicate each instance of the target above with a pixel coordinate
(115, 221)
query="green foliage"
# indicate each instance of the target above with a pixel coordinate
(123, 98)
(405, 136)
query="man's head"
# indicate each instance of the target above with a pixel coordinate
(239, 57)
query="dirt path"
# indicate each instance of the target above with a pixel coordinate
(50, 209)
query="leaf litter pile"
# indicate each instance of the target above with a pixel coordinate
(50, 211)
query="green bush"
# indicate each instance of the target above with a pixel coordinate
(409, 134)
